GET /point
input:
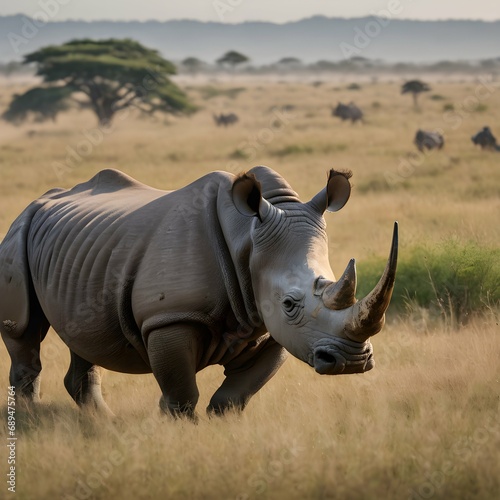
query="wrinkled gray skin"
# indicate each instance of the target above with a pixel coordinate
(138, 280)
(348, 112)
(428, 140)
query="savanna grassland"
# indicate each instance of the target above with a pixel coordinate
(423, 424)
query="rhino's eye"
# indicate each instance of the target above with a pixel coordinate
(292, 307)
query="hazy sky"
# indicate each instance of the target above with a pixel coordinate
(232, 11)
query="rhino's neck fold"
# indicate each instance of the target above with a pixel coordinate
(232, 239)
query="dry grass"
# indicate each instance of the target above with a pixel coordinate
(425, 420)
(423, 424)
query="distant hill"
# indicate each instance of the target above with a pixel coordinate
(309, 39)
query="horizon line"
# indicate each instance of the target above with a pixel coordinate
(256, 21)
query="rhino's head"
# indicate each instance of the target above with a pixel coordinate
(315, 317)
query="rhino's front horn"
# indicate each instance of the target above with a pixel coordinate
(366, 317)
(340, 295)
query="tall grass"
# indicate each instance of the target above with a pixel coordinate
(423, 424)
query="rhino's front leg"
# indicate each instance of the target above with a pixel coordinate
(173, 352)
(247, 374)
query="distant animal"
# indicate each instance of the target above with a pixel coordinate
(348, 112)
(428, 140)
(229, 270)
(485, 139)
(225, 119)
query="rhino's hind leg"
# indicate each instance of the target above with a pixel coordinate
(83, 382)
(24, 352)
(173, 354)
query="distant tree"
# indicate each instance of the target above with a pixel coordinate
(359, 59)
(192, 64)
(324, 65)
(415, 88)
(232, 58)
(110, 75)
(12, 67)
(290, 61)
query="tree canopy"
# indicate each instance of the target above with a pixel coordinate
(232, 58)
(414, 87)
(110, 75)
(192, 64)
(289, 63)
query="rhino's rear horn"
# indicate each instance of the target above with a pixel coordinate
(340, 295)
(367, 316)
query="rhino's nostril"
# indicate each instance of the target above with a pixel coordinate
(325, 356)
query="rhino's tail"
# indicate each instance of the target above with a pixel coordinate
(16, 287)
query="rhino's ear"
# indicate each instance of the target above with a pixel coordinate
(336, 193)
(247, 197)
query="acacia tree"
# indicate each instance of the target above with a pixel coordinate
(192, 64)
(232, 58)
(106, 75)
(414, 87)
(290, 61)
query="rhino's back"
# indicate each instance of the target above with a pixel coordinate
(32, 234)
(110, 253)
(80, 254)
(77, 233)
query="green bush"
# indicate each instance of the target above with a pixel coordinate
(481, 108)
(294, 149)
(454, 279)
(239, 154)
(380, 185)
(353, 86)
(209, 92)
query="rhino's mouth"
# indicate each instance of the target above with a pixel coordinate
(340, 356)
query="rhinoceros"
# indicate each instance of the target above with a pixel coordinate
(348, 112)
(225, 119)
(229, 270)
(485, 139)
(425, 139)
